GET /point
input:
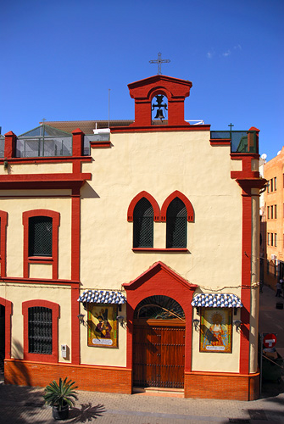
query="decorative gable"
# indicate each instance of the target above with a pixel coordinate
(169, 94)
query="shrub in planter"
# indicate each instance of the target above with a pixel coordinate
(60, 396)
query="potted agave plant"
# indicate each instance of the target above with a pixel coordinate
(60, 396)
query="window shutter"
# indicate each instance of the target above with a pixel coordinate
(40, 236)
(176, 224)
(40, 330)
(143, 224)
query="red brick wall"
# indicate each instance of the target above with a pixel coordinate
(119, 380)
(90, 378)
(221, 386)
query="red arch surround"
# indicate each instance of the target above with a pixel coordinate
(189, 208)
(159, 90)
(55, 315)
(160, 280)
(8, 312)
(136, 199)
(52, 260)
(4, 219)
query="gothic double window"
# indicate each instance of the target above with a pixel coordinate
(176, 212)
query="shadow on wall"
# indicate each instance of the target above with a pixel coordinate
(17, 373)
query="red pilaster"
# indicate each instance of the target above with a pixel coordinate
(78, 142)
(10, 145)
(75, 275)
(8, 311)
(246, 283)
(3, 242)
(247, 184)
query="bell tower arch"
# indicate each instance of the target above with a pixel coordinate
(164, 94)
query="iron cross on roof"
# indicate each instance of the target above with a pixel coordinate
(159, 61)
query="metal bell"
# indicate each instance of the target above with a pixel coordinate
(159, 114)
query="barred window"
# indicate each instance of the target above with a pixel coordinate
(143, 215)
(176, 224)
(40, 236)
(40, 330)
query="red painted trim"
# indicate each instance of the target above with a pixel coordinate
(254, 129)
(159, 128)
(75, 274)
(100, 144)
(163, 250)
(55, 315)
(48, 159)
(3, 242)
(184, 199)
(160, 280)
(8, 312)
(51, 196)
(75, 325)
(55, 224)
(10, 145)
(75, 235)
(220, 142)
(43, 181)
(246, 171)
(143, 84)
(143, 91)
(136, 199)
(77, 142)
(248, 183)
(40, 281)
(246, 284)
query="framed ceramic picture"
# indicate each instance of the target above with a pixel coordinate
(102, 325)
(216, 330)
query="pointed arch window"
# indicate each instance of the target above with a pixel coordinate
(176, 224)
(143, 227)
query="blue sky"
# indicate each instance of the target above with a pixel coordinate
(60, 58)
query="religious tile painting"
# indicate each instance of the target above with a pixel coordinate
(102, 325)
(216, 330)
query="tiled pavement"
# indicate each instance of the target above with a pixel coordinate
(23, 405)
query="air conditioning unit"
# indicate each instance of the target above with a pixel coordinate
(273, 257)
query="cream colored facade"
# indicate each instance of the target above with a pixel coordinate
(95, 238)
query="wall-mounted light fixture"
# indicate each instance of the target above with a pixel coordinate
(196, 324)
(120, 319)
(81, 318)
(237, 323)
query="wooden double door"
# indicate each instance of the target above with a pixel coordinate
(158, 353)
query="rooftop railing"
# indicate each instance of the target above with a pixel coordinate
(241, 141)
(2, 145)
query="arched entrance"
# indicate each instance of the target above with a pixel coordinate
(5, 331)
(158, 343)
(2, 339)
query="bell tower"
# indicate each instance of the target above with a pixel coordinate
(161, 96)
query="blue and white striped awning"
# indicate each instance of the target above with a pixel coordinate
(102, 296)
(220, 300)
